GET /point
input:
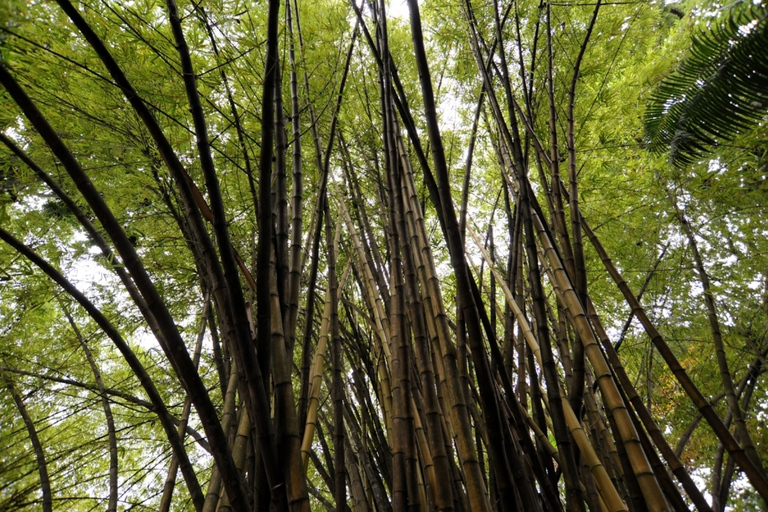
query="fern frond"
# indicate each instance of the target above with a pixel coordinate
(719, 91)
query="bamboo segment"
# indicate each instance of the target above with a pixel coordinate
(447, 362)
(427, 464)
(227, 419)
(602, 431)
(607, 490)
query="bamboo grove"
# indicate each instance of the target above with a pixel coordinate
(361, 256)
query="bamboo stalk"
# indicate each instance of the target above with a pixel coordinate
(294, 272)
(446, 362)
(650, 425)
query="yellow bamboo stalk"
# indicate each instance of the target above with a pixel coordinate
(213, 493)
(371, 286)
(316, 375)
(427, 465)
(239, 450)
(603, 431)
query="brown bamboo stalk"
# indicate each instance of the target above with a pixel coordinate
(717, 339)
(375, 476)
(610, 456)
(381, 322)
(239, 451)
(502, 467)
(405, 494)
(337, 387)
(728, 473)
(241, 136)
(358, 491)
(361, 216)
(294, 272)
(286, 422)
(295, 484)
(309, 312)
(280, 195)
(574, 498)
(416, 241)
(673, 494)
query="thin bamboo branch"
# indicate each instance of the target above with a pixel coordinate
(111, 434)
(717, 339)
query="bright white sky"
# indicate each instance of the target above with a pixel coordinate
(398, 9)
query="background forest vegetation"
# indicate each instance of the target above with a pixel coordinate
(265, 255)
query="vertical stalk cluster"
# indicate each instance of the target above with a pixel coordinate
(339, 378)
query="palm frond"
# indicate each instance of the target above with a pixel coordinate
(717, 92)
